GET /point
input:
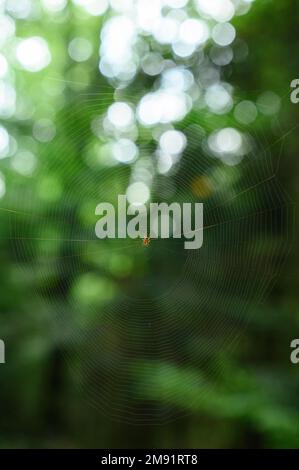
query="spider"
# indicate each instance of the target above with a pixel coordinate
(146, 241)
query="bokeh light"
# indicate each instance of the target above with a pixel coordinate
(33, 54)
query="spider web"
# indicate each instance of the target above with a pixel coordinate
(158, 337)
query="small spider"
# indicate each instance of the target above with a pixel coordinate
(146, 241)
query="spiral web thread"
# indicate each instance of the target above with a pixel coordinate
(132, 355)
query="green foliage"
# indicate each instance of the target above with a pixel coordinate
(112, 338)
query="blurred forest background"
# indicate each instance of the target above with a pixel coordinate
(110, 343)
